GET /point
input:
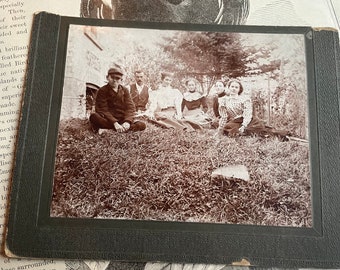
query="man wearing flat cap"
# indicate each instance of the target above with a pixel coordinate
(114, 106)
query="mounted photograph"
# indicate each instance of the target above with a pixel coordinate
(184, 126)
(169, 142)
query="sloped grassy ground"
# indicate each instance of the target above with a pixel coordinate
(161, 174)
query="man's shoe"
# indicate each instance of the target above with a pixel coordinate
(101, 131)
(138, 126)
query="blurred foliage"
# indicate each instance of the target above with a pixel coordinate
(210, 53)
(280, 58)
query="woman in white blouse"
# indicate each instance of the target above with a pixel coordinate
(166, 105)
(237, 116)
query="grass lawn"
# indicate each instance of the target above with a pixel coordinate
(162, 174)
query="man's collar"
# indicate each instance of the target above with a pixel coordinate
(118, 88)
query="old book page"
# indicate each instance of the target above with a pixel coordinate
(15, 27)
(290, 13)
(335, 7)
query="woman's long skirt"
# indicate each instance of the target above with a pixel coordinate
(256, 126)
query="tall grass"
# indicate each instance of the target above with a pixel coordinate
(162, 174)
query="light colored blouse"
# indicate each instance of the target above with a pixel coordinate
(165, 98)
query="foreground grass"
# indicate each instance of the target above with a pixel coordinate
(165, 175)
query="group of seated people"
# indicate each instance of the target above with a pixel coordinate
(122, 108)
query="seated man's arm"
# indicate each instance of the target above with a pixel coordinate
(102, 106)
(130, 107)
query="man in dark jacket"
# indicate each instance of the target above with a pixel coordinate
(114, 106)
(139, 92)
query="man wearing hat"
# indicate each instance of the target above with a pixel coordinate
(114, 106)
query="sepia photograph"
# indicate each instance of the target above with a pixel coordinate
(184, 126)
